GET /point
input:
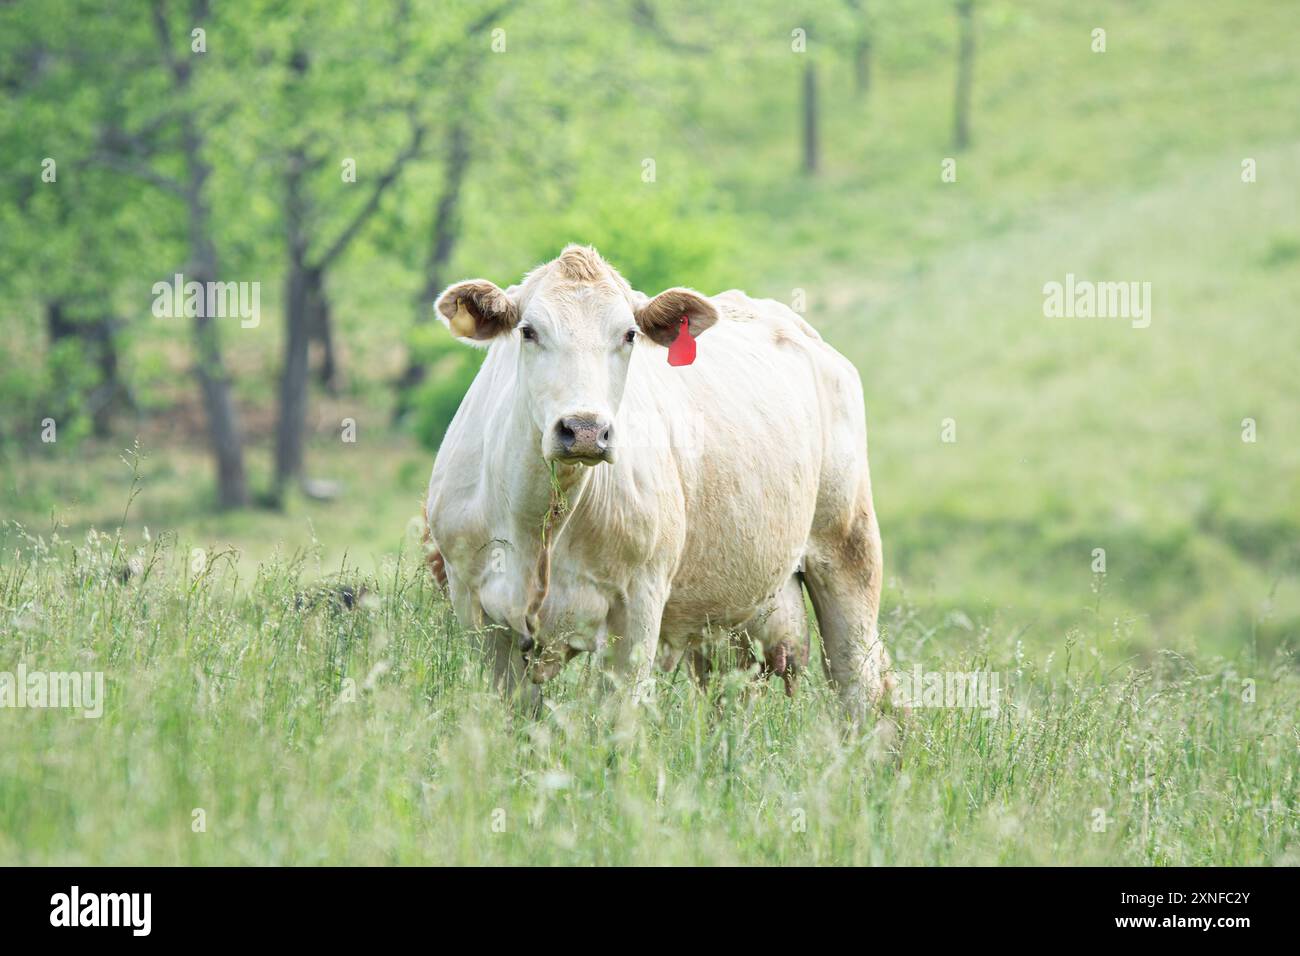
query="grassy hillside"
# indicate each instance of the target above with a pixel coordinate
(1075, 434)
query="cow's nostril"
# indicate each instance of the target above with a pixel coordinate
(565, 434)
(606, 435)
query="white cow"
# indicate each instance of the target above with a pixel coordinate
(589, 496)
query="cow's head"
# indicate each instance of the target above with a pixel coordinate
(577, 321)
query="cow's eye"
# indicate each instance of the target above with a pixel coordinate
(528, 332)
(630, 336)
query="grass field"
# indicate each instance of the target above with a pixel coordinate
(259, 722)
(1151, 713)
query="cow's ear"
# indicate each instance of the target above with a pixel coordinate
(477, 310)
(661, 317)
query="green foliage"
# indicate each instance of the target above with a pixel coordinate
(58, 387)
(656, 238)
(452, 366)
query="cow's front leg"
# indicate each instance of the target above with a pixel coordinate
(635, 643)
(501, 649)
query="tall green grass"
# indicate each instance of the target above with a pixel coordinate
(307, 732)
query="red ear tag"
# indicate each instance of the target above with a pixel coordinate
(682, 351)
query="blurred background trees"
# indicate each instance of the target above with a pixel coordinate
(256, 142)
(259, 143)
(908, 173)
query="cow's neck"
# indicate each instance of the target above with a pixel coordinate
(542, 501)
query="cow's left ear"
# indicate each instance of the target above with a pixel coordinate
(477, 310)
(660, 318)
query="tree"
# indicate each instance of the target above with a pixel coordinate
(444, 222)
(811, 151)
(401, 111)
(224, 431)
(861, 47)
(96, 228)
(965, 69)
(306, 304)
(442, 243)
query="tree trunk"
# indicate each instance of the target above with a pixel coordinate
(322, 332)
(965, 69)
(302, 286)
(442, 243)
(223, 419)
(99, 347)
(57, 328)
(862, 66)
(811, 157)
(303, 296)
(109, 390)
(214, 382)
(57, 324)
(862, 50)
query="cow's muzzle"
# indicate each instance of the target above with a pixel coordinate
(544, 661)
(584, 438)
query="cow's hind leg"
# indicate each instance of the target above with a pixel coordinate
(842, 571)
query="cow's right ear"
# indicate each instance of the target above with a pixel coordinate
(477, 310)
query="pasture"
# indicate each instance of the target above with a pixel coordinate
(254, 720)
(1149, 705)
